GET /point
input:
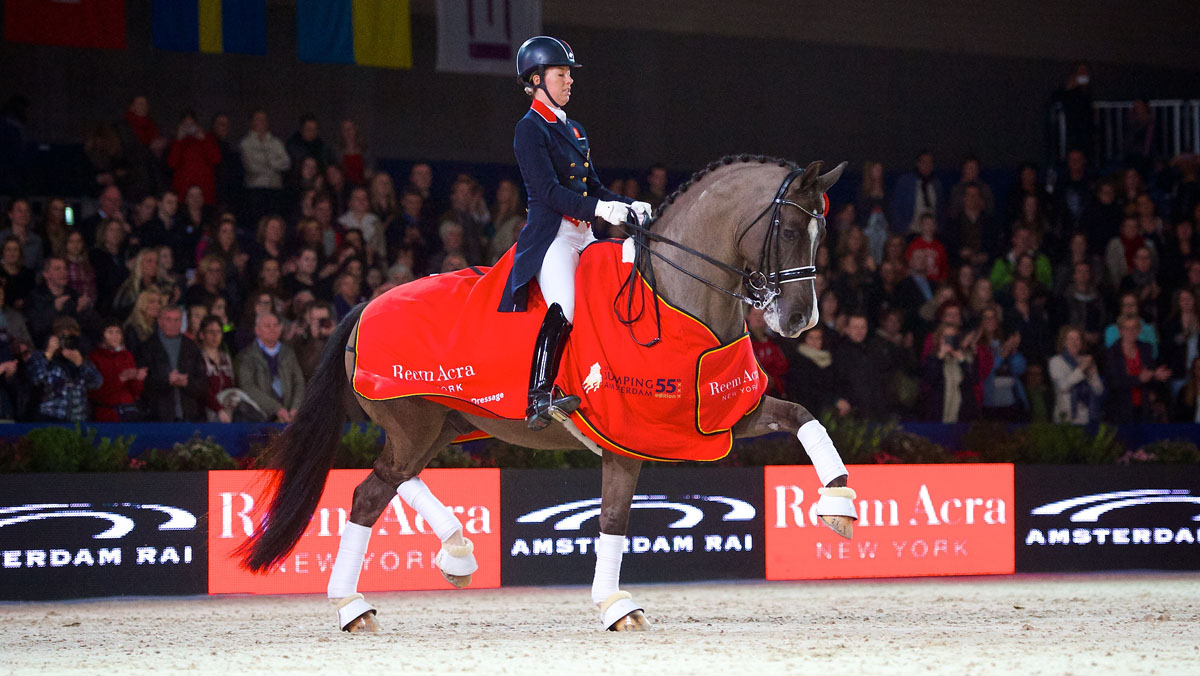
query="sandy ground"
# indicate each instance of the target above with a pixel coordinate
(1089, 624)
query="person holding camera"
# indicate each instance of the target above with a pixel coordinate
(318, 326)
(949, 376)
(64, 375)
(194, 157)
(116, 399)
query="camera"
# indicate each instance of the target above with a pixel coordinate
(69, 341)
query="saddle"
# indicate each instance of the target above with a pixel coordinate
(676, 398)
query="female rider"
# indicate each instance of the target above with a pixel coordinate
(564, 195)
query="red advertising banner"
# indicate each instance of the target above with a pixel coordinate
(402, 548)
(913, 520)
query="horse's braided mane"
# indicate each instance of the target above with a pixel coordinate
(728, 159)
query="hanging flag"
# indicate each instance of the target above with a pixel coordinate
(213, 26)
(482, 36)
(363, 32)
(80, 23)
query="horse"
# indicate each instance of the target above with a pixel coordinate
(743, 231)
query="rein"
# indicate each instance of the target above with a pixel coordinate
(763, 286)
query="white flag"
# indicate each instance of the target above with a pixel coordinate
(482, 36)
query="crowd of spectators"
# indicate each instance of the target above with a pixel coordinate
(214, 267)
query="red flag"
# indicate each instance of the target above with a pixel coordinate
(68, 23)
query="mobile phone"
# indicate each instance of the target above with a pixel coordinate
(69, 216)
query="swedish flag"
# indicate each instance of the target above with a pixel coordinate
(212, 26)
(363, 32)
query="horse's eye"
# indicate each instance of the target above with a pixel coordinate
(790, 235)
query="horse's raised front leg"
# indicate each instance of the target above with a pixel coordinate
(836, 505)
(618, 611)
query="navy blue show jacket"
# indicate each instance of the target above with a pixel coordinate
(556, 165)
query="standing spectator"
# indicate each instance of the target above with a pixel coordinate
(19, 218)
(917, 193)
(143, 319)
(112, 207)
(268, 372)
(352, 156)
(973, 236)
(196, 219)
(229, 173)
(895, 348)
(15, 143)
(1101, 221)
(938, 268)
(318, 326)
(108, 260)
(54, 227)
(81, 276)
(1187, 403)
(141, 148)
(810, 372)
(1181, 336)
(948, 378)
(1074, 193)
(859, 375)
(1001, 366)
(1077, 383)
(1131, 376)
(103, 162)
(176, 386)
(264, 159)
(217, 366)
(18, 279)
(1027, 185)
(1032, 219)
(508, 217)
(116, 398)
(307, 142)
(359, 217)
(1029, 318)
(194, 157)
(63, 374)
(1077, 252)
(873, 205)
(53, 299)
(768, 353)
(1081, 306)
(970, 178)
(1076, 100)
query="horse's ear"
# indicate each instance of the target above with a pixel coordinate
(811, 172)
(824, 183)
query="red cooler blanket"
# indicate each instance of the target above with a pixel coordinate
(441, 338)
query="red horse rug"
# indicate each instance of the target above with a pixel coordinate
(676, 398)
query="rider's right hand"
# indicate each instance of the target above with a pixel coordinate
(613, 212)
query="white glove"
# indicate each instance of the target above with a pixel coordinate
(643, 211)
(613, 212)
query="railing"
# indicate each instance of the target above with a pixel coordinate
(1176, 128)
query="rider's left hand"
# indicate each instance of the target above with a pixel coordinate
(642, 210)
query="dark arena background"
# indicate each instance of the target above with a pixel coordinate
(1007, 356)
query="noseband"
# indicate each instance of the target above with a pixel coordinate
(761, 284)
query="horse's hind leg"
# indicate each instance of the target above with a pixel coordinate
(409, 446)
(618, 611)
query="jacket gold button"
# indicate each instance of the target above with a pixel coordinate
(585, 164)
(585, 193)
(572, 164)
(571, 177)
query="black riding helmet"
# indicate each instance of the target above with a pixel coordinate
(538, 54)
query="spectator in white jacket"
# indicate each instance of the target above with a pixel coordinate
(265, 160)
(1077, 383)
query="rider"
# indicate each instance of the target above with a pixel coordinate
(564, 195)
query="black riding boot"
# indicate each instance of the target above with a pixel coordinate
(544, 397)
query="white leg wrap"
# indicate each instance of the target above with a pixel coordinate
(837, 502)
(343, 579)
(457, 560)
(820, 449)
(605, 583)
(616, 606)
(416, 494)
(351, 608)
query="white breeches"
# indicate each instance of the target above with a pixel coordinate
(556, 279)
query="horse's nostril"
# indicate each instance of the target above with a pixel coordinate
(797, 319)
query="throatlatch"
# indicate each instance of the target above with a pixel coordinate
(545, 400)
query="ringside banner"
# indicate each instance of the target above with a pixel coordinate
(913, 520)
(402, 546)
(76, 535)
(686, 524)
(1076, 518)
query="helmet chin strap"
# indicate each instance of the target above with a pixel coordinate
(541, 73)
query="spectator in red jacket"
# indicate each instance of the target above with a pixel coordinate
(116, 399)
(194, 157)
(927, 240)
(768, 353)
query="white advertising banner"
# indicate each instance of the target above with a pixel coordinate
(482, 36)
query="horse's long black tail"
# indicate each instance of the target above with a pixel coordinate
(303, 454)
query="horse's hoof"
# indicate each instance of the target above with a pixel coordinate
(635, 621)
(363, 624)
(459, 581)
(842, 525)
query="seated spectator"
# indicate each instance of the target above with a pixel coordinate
(895, 346)
(348, 294)
(260, 303)
(176, 386)
(452, 242)
(54, 227)
(268, 241)
(18, 279)
(14, 342)
(63, 375)
(1080, 305)
(1026, 185)
(143, 319)
(221, 243)
(1077, 252)
(1101, 220)
(195, 220)
(268, 372)
(1001, 365)
(116, 399)
(108, 260)
(1134, 379)
(970, 179)
(1181, 336)
(20, 217)
(53, 298)
(859, 373)
(1142, 281)
(1028, 317)
(469, 210)
(768, 353)
(1187, 402)
(304, 278)
(81, 276)
(810, 372)
(210, 282)
(948, 379)
(1128, 307)
(1177, 250)
(1149, 222)
(270, 278)
(1119, 254)
(194, 314)
(508, 217)
(1077, 385)
(852, 285)
(1032, 219)
(980, 298)
(973, 236)
(142, 275)
(317, 326)
(359, 217)
(12, 322)
(1003, 270)
(218, 367)
(947, 313)
(937, 269)
(1038, 393)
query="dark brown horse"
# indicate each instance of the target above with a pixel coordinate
(735, 234)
